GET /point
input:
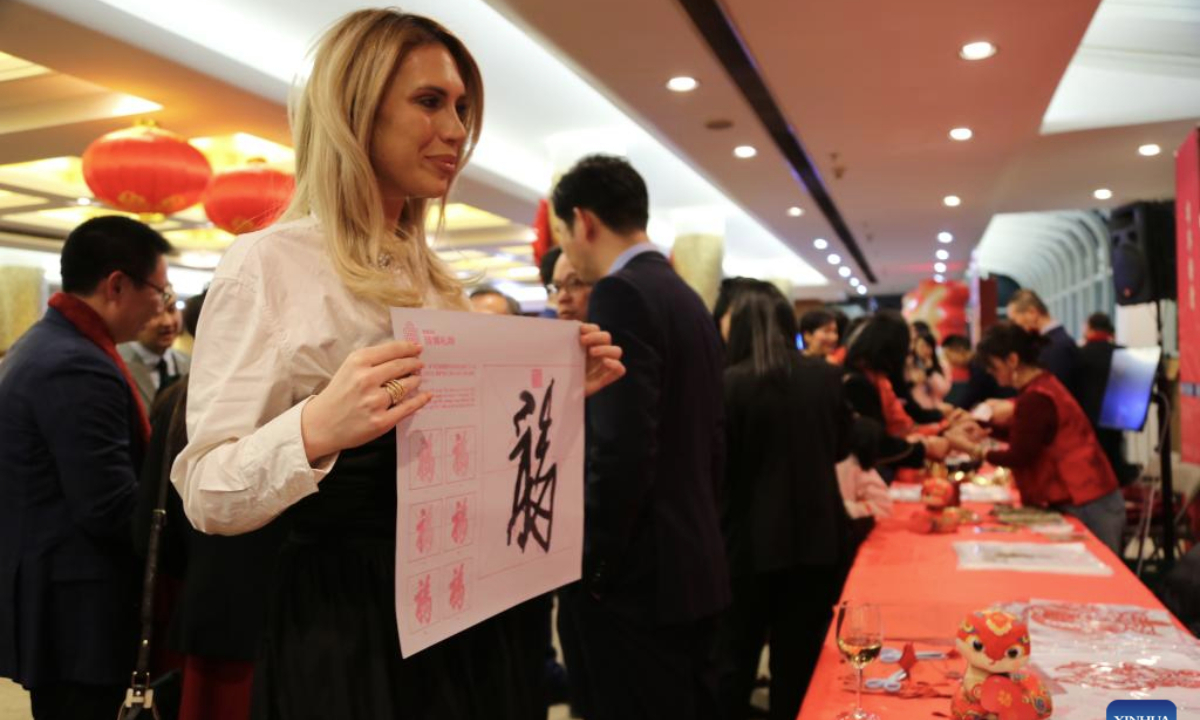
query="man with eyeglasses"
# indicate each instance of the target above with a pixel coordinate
(73, 430)
(152, 360)
(569, 290)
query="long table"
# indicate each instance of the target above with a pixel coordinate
(924, 596)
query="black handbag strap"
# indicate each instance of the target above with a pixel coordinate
(139, 693)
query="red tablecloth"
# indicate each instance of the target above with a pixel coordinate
(924, 596)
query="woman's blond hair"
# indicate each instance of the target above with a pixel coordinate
(333, 119)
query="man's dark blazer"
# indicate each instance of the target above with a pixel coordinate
(143, 375)
(1061, 357)
(781, 505)
(979, 386)
(652, 537)
(69, 446)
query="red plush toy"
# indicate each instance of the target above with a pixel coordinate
(996, 646)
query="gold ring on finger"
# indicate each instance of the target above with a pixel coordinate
(395, 390)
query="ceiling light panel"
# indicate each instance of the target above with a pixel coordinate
(682, 84)
(978, 50)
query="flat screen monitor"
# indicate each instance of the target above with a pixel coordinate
(1130, 384)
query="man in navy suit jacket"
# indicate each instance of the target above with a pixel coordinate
(1060, 355)
(640, 625)
(72, 432)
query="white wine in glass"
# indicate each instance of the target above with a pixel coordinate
(860, 651)
(860, 639)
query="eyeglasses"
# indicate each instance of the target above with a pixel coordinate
(166, 292)
(573, 285)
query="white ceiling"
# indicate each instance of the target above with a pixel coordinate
(878, 83)
(539, 117)
(1139, 62)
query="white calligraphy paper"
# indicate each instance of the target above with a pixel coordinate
(489, 475)
(1062, 558)
(970, 492)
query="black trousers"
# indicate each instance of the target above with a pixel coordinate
(76, 701)
(625, 669)
(789, 608)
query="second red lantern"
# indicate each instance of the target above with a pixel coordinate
(248, 199)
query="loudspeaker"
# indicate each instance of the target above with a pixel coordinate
(1143, 252)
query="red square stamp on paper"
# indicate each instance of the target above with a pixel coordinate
(537, 378)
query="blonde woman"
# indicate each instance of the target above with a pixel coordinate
(288, 412)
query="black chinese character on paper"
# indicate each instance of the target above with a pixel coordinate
(533, 493)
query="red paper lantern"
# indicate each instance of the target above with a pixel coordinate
(943, 305)
(146, 170)
(248, 199)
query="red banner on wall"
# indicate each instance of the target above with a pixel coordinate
(1187, 229)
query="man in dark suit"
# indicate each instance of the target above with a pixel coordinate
(72, 433)
(641, 622)
(151, 359)
(1060, 355)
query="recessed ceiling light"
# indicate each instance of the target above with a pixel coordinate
(961, 133)
(844, 271)
(1102, 194)
(834, 259)
(945, 237)
(862, 289)
(1149, 150)
(952, 201)
(939, 267)
(940, 277)
(820, 244)
(854, 282)
(683, 83)
(942, 255)
(745, 151)
(795, 211)
(979, 50)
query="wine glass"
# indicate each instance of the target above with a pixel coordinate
(860, 638)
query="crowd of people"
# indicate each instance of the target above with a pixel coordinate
(729, 477)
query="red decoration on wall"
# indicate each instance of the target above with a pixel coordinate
(544, 237)
(146, 170)
(248, 199)
(942, 305)
(1187, 230)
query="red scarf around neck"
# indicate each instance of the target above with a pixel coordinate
(91, 326)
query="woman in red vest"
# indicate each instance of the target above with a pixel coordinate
(1053, 452)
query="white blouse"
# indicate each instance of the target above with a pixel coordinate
(277, 324)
